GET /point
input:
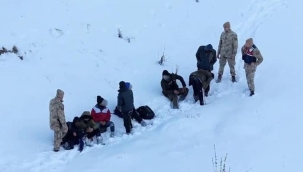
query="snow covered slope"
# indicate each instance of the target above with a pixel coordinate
(74, 45)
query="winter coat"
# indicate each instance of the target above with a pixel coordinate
(168, 87)
(203, 76)
(125, 100)
(82, 124)
(75, 127)
(206, 60)
(57, 116)
(228, 44)
(100, 113)
(251, 55)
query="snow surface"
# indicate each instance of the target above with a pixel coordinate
(73, 45)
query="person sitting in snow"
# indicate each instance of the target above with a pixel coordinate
(91, 128)
(74, 135)
(125, 105)
(101, 115)
(200, 81)
(170, 88)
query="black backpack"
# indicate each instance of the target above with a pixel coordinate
(145, 112)
(118, 113)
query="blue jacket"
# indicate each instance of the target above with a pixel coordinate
(205, 60)
(248, 56)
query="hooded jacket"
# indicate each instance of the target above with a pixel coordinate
(202, 76)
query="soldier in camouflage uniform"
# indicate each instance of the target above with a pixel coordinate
(252, 58)
(57, 119)
(227, 51)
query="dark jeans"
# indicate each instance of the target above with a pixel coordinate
(95, 132)
(72, 140)
(109, 124)
(127, 121)
(198, 92)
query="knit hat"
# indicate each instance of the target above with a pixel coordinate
(208, 47)
(128, 85)
(122, 84)
(101, 101)
(76, 119)
(165, 72)
(60, 93)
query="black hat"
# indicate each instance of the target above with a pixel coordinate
(165, 72)
(99, 100)
(76, 119)
(122, 84)
(208, 47)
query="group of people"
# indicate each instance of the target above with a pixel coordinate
(91, 124)
(206, 57)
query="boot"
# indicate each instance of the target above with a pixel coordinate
(233, 79)
(112, 134)
(251, 93)
(219, 78)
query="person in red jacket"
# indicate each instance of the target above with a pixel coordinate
(101, 115)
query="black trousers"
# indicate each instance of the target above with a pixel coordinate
(95, 132)
(127, 121)
(198, 92)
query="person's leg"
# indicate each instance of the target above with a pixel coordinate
(222, 63)
(111, 125)
(127, 121)
(183, 93)
(200, 93)
(137, 116)
(57, 140)
(231, 64)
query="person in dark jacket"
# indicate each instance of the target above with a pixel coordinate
(101, 115)
(206, 58)
(125, 105)
(170, 88)
(200, 80)
(74, 135)
(135, 115)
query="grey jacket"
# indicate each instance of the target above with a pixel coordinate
(125, 100)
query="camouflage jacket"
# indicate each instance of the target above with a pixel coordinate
(57, 116)
(228, 44)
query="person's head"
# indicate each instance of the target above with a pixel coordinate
(166, 75)
(128, 85)
(208, 48)
(122, 85)
(86, 116)
(60, 94)
(101, 101)
(226, 26)
(249, 42)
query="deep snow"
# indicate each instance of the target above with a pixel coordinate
(74, 46)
